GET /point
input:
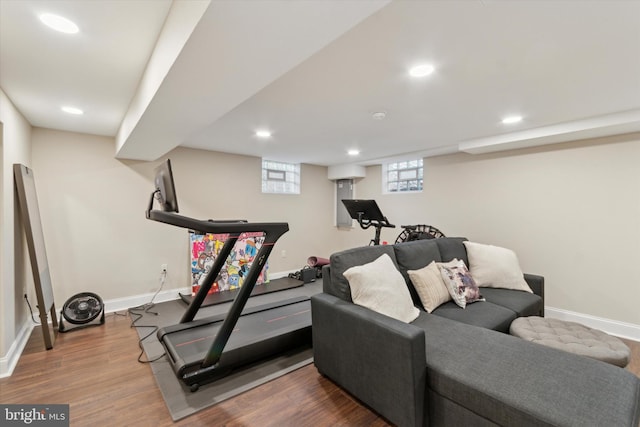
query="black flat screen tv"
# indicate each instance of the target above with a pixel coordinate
(165, 187)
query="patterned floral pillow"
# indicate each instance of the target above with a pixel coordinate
(460, 284)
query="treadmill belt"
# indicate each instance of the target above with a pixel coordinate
(263, 330)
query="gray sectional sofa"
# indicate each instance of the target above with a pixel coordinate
(459, 367)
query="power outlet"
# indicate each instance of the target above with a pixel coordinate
(283, 253)
(163, 268)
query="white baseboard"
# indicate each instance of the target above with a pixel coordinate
(120, 304)
(281, 274)
(9, 362)
(613, 327)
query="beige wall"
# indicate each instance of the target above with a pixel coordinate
(571, 212)
(16, 148)
(97, 237)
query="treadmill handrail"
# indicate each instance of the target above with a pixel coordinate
(222, 337)
(272, 232)
(274, 229)
(209, 279)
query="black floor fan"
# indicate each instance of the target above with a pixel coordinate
(81, 311)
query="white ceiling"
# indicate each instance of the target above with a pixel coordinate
(97, 70)
(160, 74)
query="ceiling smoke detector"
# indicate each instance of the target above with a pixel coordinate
(379, 115)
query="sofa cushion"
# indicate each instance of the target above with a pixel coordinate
(416, 254)
(523, 303)
(413, 256)
(430, 287)
(510, 381)
(495, 267)
(483, 314)
(341, 261)
(460, 283)
(379, 286)
(452, 247)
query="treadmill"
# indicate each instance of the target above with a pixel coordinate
(205, 350)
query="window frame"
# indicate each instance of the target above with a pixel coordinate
(401, 181)
(280, 177)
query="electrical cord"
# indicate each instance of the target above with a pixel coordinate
(139, 312)
(115, 313)
(30, 310)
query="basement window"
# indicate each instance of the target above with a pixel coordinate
(402, 177)
(280, 177)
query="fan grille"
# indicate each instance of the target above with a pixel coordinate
(418, 232)
(82, 308)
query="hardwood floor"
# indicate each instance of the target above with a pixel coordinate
(95, 371)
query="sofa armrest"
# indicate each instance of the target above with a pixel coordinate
(536, 283)
(374, 357)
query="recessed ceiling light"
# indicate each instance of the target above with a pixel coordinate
(59, 23)
(379, 115)
(511, 119)
(421, 70)
(353, 152)
(72, 110)
(263, 134)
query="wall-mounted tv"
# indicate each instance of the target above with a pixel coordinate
(165, 187)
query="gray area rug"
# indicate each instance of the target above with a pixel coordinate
(180, 401)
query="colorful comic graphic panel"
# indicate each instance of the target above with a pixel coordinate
(205, 248)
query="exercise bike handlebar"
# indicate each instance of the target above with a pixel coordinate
(366, 223)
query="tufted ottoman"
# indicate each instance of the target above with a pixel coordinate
(572, 337)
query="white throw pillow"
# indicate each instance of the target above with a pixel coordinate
(429, 285)
(495, 267)
(379, 286)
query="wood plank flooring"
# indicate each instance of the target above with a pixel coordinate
(95, 371)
